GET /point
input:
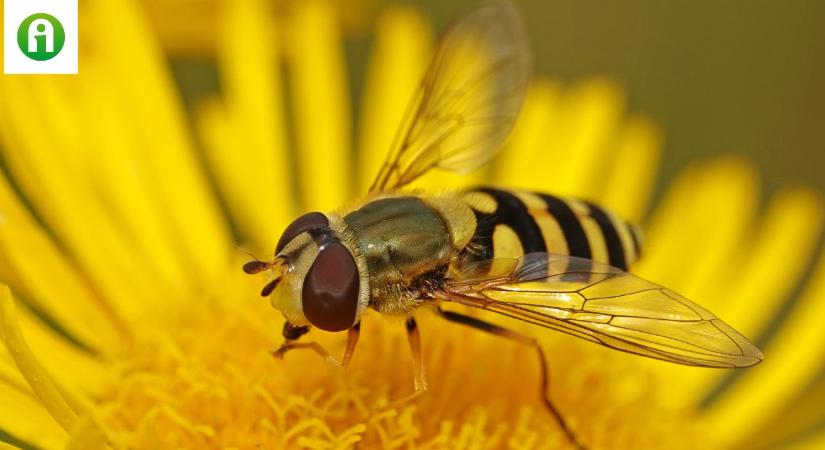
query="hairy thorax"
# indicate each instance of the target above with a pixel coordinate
(406, 243)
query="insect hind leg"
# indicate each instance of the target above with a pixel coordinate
(545, 369)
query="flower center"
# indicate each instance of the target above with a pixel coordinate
(207, 379)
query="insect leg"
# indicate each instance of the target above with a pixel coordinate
(352, 342)
(292, 333)
(414, 338)
(420, 386)
(545, 372)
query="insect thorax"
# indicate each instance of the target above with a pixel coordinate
(407, 244)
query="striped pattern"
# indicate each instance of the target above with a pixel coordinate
(525, 222)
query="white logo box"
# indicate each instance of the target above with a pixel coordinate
(15, 12)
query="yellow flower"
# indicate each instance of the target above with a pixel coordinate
(130, 325)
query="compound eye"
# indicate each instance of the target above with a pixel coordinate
(309, 221)
(330, 292)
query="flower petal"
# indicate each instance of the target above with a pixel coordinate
(800, 419)
(764, 276)
(792, 362)
(529, 159)
(40, 382)
(251, 162)
(61, 194)
(399, 56)
(631, 179)
(23, 417)
(783, 248)
(686, 227)
(317, 77)
(589, 121)
(123, 178)
(31, 262)
(149, 95)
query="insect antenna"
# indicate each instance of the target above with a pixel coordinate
(256, 265)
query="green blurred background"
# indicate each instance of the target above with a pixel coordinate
(718, 77)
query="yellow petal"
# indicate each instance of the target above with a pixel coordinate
(135, 62)
(252, 166)
(24, 418)
(588, 122)
(401, 50)
(694, 244)
(78, 374)
(781, 250)
(815, 441)
(702, 219)
(62, 195)
(754, 288)
(792, 361)
(40, 382)
(802, 416)
(122, 178)
(36, 268)
(529, 159)
(317, 77)
(86, 435)
(632, 177)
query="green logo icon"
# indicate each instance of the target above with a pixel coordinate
(41, 37)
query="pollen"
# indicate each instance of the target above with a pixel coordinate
(206, 378)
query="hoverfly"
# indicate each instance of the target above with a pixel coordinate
(399, 252)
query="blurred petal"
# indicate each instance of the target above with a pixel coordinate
(687, 226)
(79, 374)
(120, 174)
(150, 97)
(35, 267)
(763, 275)
(61, 195)
(399, 56)
(40, 382)
(317, 77)
(86, 435)
(801, 417)
(815, 441)
(793, 360)
(23, 417)
(250, 161)
(779, 253)
(631, 179)
(588, 122)
(528, 159)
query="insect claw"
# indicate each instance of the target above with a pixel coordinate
(279, 353)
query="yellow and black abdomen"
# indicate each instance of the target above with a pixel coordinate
(511, 223)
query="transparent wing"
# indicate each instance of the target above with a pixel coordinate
(604, 305)
(468, 100)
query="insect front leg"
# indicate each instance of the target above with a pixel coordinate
(292, 333)
(545, 370)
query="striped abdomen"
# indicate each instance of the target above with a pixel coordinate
(511, 223)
